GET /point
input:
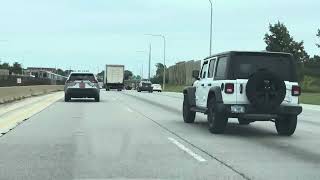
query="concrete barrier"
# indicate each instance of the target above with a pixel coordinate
(9, 94)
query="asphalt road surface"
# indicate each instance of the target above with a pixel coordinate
(130, 135)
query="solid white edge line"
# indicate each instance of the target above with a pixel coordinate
(185, 149)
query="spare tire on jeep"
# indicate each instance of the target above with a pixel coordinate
(265, 90)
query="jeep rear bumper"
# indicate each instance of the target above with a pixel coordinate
(252, 113)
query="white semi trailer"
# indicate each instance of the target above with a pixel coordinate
(114, 77)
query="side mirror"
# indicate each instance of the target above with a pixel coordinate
(195, 74)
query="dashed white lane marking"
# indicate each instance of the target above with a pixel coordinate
(185, 149)
(130, 110)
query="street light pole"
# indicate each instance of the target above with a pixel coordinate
(210, 51)
(142, 63)
(149, 73)
(164, 57)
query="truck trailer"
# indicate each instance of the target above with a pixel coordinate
(114, 77)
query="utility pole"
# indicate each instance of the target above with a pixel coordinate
(210, 51)
(149, 62)
(142, 72)
(164, 57)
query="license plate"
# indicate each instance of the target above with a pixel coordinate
(82, 85)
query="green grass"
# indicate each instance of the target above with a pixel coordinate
(310, 98)
(311, 84)
(311, 90)
(174, 88)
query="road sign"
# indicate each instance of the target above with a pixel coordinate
(19, 81)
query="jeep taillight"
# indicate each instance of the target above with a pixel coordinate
(296, 91)
(229, 88)
(94, 81)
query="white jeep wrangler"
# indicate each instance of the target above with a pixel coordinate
(250, 86)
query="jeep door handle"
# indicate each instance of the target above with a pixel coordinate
(202, 85)
(209, 84)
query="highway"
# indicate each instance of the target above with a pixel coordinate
(130, 135)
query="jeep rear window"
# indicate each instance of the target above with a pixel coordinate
(77, 77)
(245, 65)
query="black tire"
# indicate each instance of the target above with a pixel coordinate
(244, 121)
(217, 120)
(97, 99)
(107, 89)
(67, 98)
(286, 125)
(188, 115)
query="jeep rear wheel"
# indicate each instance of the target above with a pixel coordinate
(243, 121)
(286, 125)
(188, 115)
(217, 120)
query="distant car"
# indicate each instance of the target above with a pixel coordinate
(145, 86)
(157, 87)
(127, 87)
(82, 85)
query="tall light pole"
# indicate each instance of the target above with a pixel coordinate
(149, 76)
(142, 63)
(210, 51)
(164, 56)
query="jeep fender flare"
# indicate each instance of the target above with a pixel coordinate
(190, 93)
(216, 92)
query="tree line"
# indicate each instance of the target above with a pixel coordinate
(280, 40)
(15, 68)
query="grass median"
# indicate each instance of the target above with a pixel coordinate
(310, 98)
(174, 88)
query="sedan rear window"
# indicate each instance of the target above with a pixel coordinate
(146, 84)
(81, 77)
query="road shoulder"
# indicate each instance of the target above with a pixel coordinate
(13, 114)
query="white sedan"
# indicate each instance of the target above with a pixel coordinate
(157, 87)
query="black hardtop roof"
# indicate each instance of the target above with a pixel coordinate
(249, 52)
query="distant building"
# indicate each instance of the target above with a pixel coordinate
(37, 69)
(4, 72)
(40, 72)
(68, 72)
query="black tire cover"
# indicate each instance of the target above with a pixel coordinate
(265, 90)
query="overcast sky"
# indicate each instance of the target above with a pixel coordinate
(87, 34)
